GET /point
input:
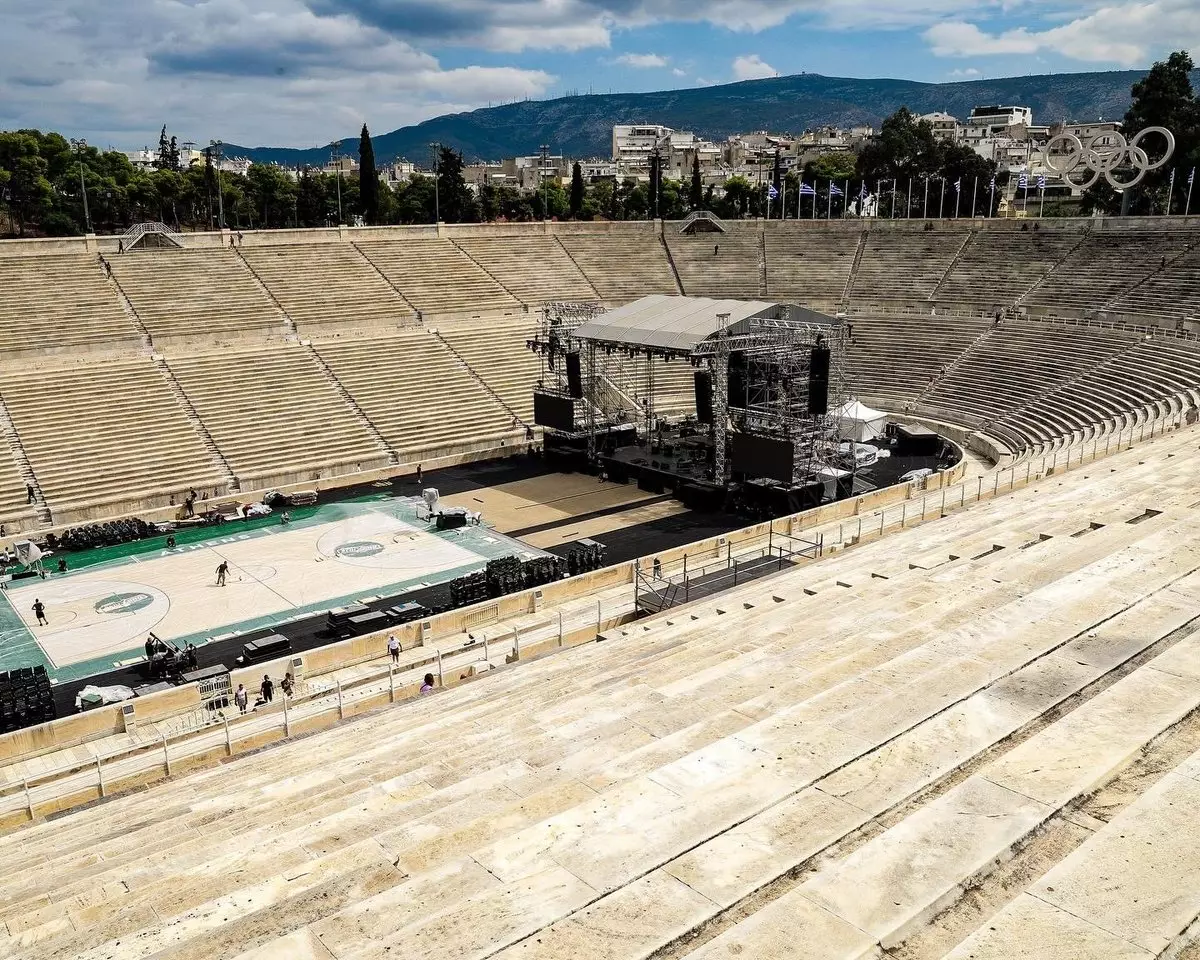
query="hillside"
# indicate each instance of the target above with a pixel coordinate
(581, 126)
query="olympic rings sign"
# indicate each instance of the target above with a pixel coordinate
(1105, 154)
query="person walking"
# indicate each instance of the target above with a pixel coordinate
(221, 571)
(394, 648)
(267, 689)
(39, 611)
(241, 697)
(29, 497)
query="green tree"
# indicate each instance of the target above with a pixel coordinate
(312, 205)
(415, 200)
(368, 178)
(455, 200)
(837, 167)
(905, 149)
(271, 195)
(30, 193)
(1163, 98)
(578, 193)
(652, 201)
(696, 196)
(736, 201)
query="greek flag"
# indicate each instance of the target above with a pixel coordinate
(1192, 176)
(1023, 182)
(958, 185)
(772, 192)
(807, 191)
(992, 185)
(835, 190)
(1042, 182)
(863, 194)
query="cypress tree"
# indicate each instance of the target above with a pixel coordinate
(368, 178)
(577, 192)
(697, 195)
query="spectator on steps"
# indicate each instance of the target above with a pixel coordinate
(716, 249)
(427, 686)
(394, 648)
(241, 698)
(287, 685)
(267, 689)
(29, 493)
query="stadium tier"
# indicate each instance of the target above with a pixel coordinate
(921, 302)
(720, 265)
(326, 284)
(437, 278)
(423, 400)
(533, 269)
(276, 416)
(623, 267)
(810, 266)
(107, 437)
(195, 294)
(971, 739)
(59, 304)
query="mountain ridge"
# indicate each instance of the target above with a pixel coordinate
(581, 126)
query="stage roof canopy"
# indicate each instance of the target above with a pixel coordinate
(681, 324)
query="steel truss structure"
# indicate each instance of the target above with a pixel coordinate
(774, 357)
(777, 355)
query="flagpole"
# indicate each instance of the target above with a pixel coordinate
(941, 196)
(925, 212)
(957, 197)
(1171, 192)
(992, 198)
(908, 209)
(829, 212)
(845, 199)
(974, 197)
(1191, 181)
(783, 201)
(1041, 199)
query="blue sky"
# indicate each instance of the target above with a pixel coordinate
(301, 72)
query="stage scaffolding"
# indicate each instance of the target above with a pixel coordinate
(772, 350)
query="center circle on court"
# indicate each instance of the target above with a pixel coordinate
(122, 604)
(358, 549)
(256, 571)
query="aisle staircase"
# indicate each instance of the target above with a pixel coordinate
(232, 483)
(392, 455)
(9, 430)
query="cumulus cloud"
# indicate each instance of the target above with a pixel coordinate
(642, 61)
(966, 73)
(271, 72)
(1129, 33)
(752, 67)
(678, 73)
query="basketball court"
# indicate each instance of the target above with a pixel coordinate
(99, 616)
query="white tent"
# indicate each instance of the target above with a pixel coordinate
(859, 422)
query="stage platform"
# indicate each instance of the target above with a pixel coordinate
(99, 616)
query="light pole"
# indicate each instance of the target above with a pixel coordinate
(335, 153)
(79, 146)
(545, 148)
(437, 203)
(214, 146)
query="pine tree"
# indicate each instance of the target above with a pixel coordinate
(164, 151)
(368, 178)
(697, 194)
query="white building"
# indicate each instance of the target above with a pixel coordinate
(633, 144)
(945, 127)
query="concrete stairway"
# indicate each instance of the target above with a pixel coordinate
(214, 451)
(337, 384)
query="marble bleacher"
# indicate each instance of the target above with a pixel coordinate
(733, 272)
(60, 303)
(418, 395)
(1166, 296)
(832, 763)
(108, 434)
(1105, 266)
(810, 266)
(497, 354)
(892, 358)
(16, 512)
(1018, 362)
(327, 284)
(195, 294)
(437, 278)
(622, 267)
(533, 269)
(905, 265)
(998, 267)
(274, 415)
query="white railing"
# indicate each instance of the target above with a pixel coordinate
(139, 230)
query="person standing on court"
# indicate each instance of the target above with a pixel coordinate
(267, 689)
(221, 571)
(39, 610)
(394, 648)
(420, 475)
